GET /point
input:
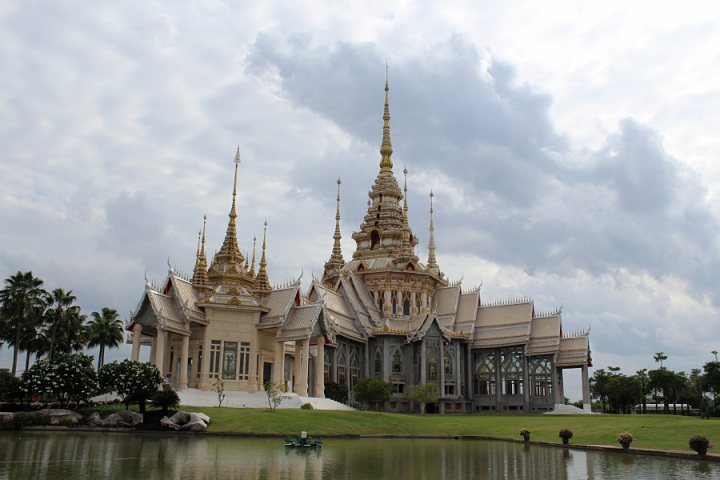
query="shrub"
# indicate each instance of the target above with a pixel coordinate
(624, 438)
(165, 399)
(336, 391)
(306, 406)
(566, 434)
(29, 419)
(9, 385)
(700, 443)
(66, 377)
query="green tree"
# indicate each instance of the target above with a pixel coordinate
(660, 357)
(66, 377)
(425, 394)
(598, 385)
(624, 392)
(59, 302)
(712, 379)
(134, 382)
(336, 391)
(21, 301)
(644, 380)
(105, 331)
(373, 390)
(9, 386)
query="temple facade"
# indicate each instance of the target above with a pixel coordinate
(382, 314)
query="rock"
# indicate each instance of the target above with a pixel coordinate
(60, 416)
(121, 418)
(6, 417)
(186, 421)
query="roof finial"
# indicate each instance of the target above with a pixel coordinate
(406, 223)
(200, 278)
(262, 283)
(230, 255)
(386, 151)
(252, 266)
(432, 263)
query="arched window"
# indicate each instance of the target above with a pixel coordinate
(406, 303)
(374, 239)
(394, 301)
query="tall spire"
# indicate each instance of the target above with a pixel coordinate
(406, 223)
(336, 262)
(386, 150)
(230, 260)
(432, 263)
(200, 278)
(337, 251)
(262, 283)
(252, 266)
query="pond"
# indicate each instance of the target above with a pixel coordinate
(40, 455)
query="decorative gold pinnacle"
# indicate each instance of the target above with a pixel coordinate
(386, 150)
(262, 283)
(431, 263)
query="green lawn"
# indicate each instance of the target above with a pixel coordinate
(665, 432)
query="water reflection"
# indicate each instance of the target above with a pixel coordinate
(51, 455)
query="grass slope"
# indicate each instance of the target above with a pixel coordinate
(664, 432)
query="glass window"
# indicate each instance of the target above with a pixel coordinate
(244, 361)
(215, 358)
(229, 360)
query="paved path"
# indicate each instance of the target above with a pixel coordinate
(197, 398)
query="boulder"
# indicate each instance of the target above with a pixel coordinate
(186, 421)
(121, 418)
(60, 416)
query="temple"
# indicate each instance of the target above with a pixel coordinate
(382, 314)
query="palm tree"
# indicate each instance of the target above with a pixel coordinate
(659, 357)
(20, 301)
(58, 302)
(106, 330)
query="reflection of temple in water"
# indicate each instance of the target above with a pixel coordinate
(382, 314)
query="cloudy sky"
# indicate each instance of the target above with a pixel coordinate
(571, 147)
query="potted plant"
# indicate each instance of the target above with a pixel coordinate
(525, 433)
(566, 434)
(625, 439)
(700, 443)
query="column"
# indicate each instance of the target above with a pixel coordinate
(184, 362)
(559, 393)
(279, 363)
(303, 387)
(160, 350)
(423, 363)
(587, 405)
(137, 333)
(441, 366)
(298, 366)
(526, 384)
(320, 368)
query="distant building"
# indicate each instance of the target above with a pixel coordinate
(382, 314)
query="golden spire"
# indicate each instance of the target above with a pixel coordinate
(336, 262)
(200, 278)
(432, 263)
(386, 151)
(406, 223)
(337, 251)
(262, 283)
(252, 266)
(229, 259)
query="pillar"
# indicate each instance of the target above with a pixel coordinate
(184, 362)
(137, 333)
(320, 368)
(279, 364)
(587, 405)
(303, 387)
(160, 350)
(297, 366)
